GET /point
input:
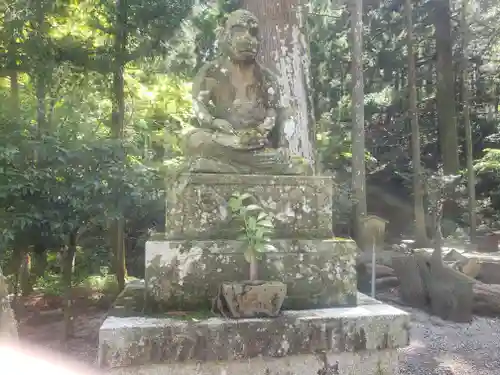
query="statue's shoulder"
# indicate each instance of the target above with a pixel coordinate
(211, 68)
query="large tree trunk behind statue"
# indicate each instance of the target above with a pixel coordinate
(285, 50)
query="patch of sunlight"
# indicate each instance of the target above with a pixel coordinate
(381, 98)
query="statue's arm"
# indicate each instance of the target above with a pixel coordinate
(203, 85)
(201, 93)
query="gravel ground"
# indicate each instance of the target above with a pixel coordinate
(442, 348)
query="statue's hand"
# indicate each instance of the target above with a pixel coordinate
(254, 138)
(223, 125)
(266, 126)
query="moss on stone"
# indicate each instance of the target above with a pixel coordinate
(186, 275)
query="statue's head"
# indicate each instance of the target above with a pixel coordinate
(240, 40)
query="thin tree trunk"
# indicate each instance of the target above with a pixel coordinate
(40, 74)
(117, 129)
(25, 272)
(254, 268)
(471, 177)
(67, 279)
(285, 50)
(358, 118)
(418, 189)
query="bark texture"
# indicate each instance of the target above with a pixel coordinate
(446, 110)
(285, 50)
(358, 117)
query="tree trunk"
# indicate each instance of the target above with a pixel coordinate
(418, 189)
(471, 177)
(118, 244)
(412, 289)
(358, 118)
(117, 130)
(446, 110)
(285, 50)
(24, 274)
(426, 281)
(67, 279)
(40, 73)
(254, 268)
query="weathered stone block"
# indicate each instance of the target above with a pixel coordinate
(363, 331)
(380, 362)
(186, 274)
(8, 324)
(300, 206)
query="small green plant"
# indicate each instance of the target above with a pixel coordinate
(256, 229)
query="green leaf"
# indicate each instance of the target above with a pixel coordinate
(252, 223)
(253, 207)
(266, 223)
(262, 215)
(234, 204)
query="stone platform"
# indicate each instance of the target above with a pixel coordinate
(299, 206)
(186, 274)
(359, 340)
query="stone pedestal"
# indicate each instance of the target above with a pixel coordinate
(326, 327)
(186, 274)
(199, 251)
(359, 340)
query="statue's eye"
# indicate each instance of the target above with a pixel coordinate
(238, 29)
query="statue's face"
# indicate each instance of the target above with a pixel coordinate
(242, 36)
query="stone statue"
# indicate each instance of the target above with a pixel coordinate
(237, 107)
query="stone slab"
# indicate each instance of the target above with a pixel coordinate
(187, 274)
(381, 362)
(140, 341)
(300, 206)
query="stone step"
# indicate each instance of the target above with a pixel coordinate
(362, 339)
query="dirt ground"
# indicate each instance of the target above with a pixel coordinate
(40, 324)
(437, 347)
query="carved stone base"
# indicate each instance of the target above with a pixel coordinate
(299, 206)
(253, 299)
(187, 274)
